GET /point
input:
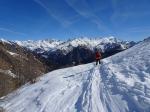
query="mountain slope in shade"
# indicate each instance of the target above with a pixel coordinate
(16, 68)
(120, 84)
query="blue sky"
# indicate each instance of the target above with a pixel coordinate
(63, 19)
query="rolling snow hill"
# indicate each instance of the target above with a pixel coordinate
(120, 84)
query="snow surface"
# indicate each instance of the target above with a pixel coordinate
(120, 84)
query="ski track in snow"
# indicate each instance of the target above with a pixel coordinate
(120, 84)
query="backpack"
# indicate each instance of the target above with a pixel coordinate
(98, 55)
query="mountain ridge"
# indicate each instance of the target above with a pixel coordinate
(93, 42)
(73, 51)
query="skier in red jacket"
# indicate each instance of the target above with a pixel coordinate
(98, 56)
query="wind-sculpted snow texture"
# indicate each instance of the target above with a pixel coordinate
(120, 84)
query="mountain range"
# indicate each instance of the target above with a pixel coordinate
(74, 51)
(23, 61)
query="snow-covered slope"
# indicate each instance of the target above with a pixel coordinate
(120, 84)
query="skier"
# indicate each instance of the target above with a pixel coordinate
(98, 56)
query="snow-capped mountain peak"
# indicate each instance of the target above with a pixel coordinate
(51, 45)
(88, 42)
(5, 41)
(147, 39)
(43, 45)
